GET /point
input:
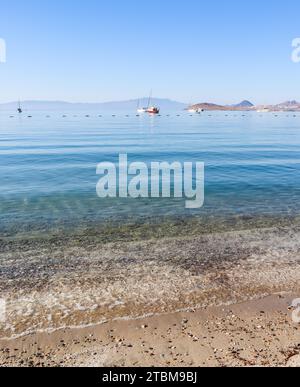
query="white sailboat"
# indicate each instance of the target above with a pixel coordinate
(195, 110)
(141, 110)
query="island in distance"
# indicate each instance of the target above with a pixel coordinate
(131, 105)
(245, 105)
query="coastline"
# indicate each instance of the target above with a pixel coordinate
(150, 190)
(257, 333)
(54, 285)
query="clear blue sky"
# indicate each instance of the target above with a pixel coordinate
(96, 50)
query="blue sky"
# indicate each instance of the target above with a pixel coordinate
(192, 51)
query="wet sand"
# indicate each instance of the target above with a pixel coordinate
(82, 301)
(256, 333)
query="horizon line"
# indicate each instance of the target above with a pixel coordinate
(137, 99)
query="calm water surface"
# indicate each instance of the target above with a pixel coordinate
(48, 187)
(48, 165)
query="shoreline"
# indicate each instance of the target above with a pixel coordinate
(253, 333)
(60, 287)
(52, 286)
(146, 228)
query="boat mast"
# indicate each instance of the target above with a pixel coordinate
(150, 98)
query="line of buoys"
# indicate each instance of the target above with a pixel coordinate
(168, 115)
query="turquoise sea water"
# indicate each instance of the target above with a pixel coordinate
(48, 165)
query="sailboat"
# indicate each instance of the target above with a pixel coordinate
(141, 110)
(19, 108)
(152, 109)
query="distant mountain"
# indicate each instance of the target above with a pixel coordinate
(289, 105)
(244, 105)
(248, 106)
(292, 106)
(164, 104)
(208, 106)
(131, 105)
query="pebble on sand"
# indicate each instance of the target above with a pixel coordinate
(294, 361)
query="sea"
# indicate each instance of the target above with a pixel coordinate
(48, 166)
(69, 258)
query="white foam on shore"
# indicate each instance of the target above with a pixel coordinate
(156, 278)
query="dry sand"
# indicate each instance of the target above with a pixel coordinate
(254, 333)
(54, 285)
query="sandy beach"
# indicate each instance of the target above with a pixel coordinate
(150, 190)
(257, 333)
(214, 299)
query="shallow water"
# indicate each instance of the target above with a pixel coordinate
(72, 262)
(48, 166)
(52, 286)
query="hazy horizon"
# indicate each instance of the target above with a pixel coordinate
(141, 99)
